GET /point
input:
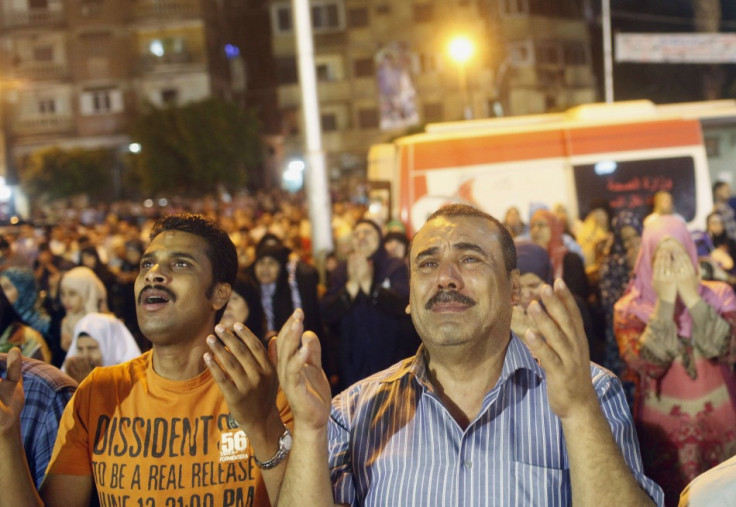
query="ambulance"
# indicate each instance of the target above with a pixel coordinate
(623, 152)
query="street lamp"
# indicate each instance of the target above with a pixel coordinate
(461, 49)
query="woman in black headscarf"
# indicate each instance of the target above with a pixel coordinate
(365, 306)
(245, 307)
(285, 284)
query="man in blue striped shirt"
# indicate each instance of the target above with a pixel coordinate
(473, 418)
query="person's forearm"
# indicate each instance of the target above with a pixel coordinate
(265, 443)
(307, 478)
(599, 474)
(16, 482)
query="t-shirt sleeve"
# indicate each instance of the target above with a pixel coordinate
(71, 454)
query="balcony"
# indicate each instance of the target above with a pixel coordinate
(146, 9)
(150, 63)
(45, 124)
(32, 17)
(41, 71)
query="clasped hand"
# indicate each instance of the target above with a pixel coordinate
(559, 343)
(673, 274)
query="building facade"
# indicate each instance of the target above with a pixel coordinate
(74, 72)
(383, 68)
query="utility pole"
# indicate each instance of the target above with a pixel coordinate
(607, 50)
(318, 198)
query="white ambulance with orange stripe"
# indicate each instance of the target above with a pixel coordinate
(623, 152)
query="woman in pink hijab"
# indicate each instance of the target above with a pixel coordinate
(679, 334)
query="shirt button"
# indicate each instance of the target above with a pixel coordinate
(468, 464)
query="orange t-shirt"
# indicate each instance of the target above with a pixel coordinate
(150, 441)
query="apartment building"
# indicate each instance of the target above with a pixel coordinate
(75, 71)
(531, 56)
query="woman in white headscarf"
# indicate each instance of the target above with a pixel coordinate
(82, 292)
(100, 339)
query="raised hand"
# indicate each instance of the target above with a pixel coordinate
(686, 277)
(561, 347)
(521, 321)
(360, 273)
(663, 281)
(78, 367)
(12, 396)
(240, 365)
(301, 375)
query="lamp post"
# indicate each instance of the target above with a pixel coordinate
(461, 50)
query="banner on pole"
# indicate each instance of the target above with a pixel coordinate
(397, 95)
(675, 47)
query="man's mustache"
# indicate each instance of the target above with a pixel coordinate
(449, 296)
(160, 288)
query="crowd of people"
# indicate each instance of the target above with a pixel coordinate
(645, 298)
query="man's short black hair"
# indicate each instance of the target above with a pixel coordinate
(220, 249)
(464, 210)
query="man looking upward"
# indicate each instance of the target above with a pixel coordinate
(189, 423)
(472, 419)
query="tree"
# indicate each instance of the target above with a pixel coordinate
(55, 173)
(193, 148)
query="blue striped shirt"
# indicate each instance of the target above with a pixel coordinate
(392, 441)
(47, 391)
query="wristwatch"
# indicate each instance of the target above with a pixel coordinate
(285, 442)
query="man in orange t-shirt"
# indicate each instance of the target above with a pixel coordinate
(195, 421)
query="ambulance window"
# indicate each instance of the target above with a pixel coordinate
(632, 184)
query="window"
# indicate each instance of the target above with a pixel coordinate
(574, 53)
(96, 43)
(423, 13)
(46, 106)
(43, 53)
(433, 111)
(90, 7)
(326, 16)
(428, 63)
(324, 72)
(286, 71)
(169, 96)
(168, 48)
(558, 9)
(358, 18)
(364, 67)
(383, 9)
(283, 19)
(514, 7)
(368, 118)
(329, 122)
(520, 53)
(101, 101)
(547, 52)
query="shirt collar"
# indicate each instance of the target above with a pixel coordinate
(518, 357)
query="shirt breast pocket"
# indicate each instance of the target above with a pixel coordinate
(538, 485)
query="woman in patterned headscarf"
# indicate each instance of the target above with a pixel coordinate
(547, 231)
(615, 275)
(15, 333)
(679, 334)
(22, 284)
